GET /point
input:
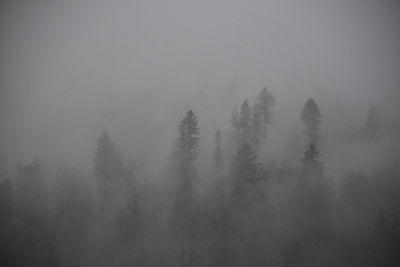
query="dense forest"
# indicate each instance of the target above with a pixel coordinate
(252, 211)
(219, 133)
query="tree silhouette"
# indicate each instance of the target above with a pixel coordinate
(73, 216)
(245, 173)
(235, 123)
(36, 231)
(182, 219)
(263, 108)
(218, 154)
(187, 143)
(245, 124)
(108, 169)
(311, 117)
(311, 164)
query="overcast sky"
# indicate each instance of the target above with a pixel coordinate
(72, 69)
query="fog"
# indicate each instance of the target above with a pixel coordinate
(73, 70)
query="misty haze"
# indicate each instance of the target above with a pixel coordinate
(200, 133)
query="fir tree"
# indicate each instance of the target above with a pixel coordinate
(245, 173)
(73, 216)
(36, 235)
(218, 155)
(129, 223)
(311, 165)
(235, 123)
(245, 123)
(187, 143)
(108, 169)
(311, 117)
(182, 221)
(263, 108)
(257, 129)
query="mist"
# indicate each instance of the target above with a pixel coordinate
(95, 98)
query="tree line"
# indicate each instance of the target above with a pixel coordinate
(254, 213)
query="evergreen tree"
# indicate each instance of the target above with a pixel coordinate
(312, 203)
(108, 169)
(245, 173)
(182, 219)
(311, 117)
(235, 123)
(257, 129)
(31, 189)
(311, 165)
(73, 218)
(129, 224)
(36, 237)
(218, 155)
(264, 103)
(245, 124)
(186, 152)
(187, 143)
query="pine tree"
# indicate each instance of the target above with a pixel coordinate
(311, 117)
(245, 123)
(36, 235)
(108, 169)
(187, 143)
(245, 173)
(218, 157)
(235, 124)
(186, 152)
(219, 187)
(311, 165)
(264, 103)
(129, 223)
(31, 189)
(73, 216)
(182, 218)
(257, 129)
(312, 199)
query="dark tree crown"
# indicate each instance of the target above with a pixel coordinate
(311, 117)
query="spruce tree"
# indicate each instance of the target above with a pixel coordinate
(311, 164)
(313, 201)
(182, 221)
(245, 124)
(73, 215)
(257, 129)
(187, 143)
(129, 221)
(186, 152)
(235, 122)
(218, 157)
(245, 173)
(108, 169)
(263, 108)
(311, 117)
(35, 228)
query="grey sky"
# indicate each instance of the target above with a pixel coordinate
(72, 69)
